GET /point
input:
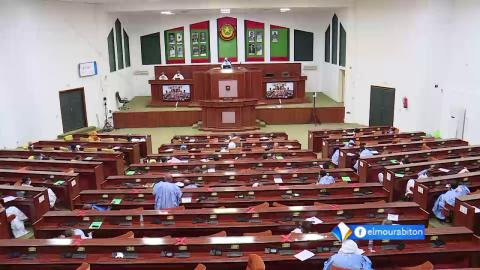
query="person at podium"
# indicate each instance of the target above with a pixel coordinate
(178, 76)
(226, 64)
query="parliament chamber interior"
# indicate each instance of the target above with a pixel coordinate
(231, 135)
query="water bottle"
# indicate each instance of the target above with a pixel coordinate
(141, 219)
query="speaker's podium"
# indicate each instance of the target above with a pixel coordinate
(228, 105)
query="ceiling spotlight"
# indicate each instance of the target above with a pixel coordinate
(225, 10)
(166, 12)
(284, 9)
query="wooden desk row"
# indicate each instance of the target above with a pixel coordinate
(467, 212)
(232, 164)
(235, 221)
(90, 174)
(129, 149)
(231, 178)
(369, 167)
(145, 141)
(226, 136)
(290, 144)
(246, 153)
(4, 224)
(329, 144)
(396, 176)
(65, 185)
(315, 137)
(348, 155)
(426, 190)
(33, 201)
(460, 249)
(112, 162)
(338, 193)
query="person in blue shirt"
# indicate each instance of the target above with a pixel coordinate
(448, 197)
(364, 152)
(349, 257)
(95, 207)
(325, 179)
(336, 155)
(167, 194)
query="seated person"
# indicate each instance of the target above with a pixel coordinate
(178, 76)
(325, 179)
(163, 77)
(75, 233)
(404, 161)
(303, 227)
(464, 170)
(364, 152)
(448, 197)
(52, 198)
(380, 177)
(349, 257)
(226, 64)
(17, 225)
(232, 145)
(336, 155)
(167, 194)
(173, 160)
(95, 207)
(409, 189)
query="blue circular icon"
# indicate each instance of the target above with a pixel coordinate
(360, 232)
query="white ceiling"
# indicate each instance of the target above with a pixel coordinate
(207, 6)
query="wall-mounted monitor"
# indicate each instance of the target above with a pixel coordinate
(276, 90)
(176, 92)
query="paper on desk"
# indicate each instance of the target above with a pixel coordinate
(9, 198)
(88, 158)
(374, 152)
(130, 173)
(392, 217)
(350, 154)
(59, 183)
(116, 201)
(278, 180)
(399, 175)
(314, 220)
(211, 170)
(304, 255)
(116, 148)
(204, 160)
(346, 179)
(96, 225)
(119, 255)
(443, 170)
(279, 157)
(255, 184)
(186, 199)
(169, 150)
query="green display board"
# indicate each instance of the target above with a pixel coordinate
(227, 38)
(254, 41)
(200, 42)
(150, 49)
(279, 43)
(118, 34)
(175, 46)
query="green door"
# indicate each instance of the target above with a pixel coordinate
(382, 105)
(72, 105)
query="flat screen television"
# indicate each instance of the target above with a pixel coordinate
(276, 90)
(176, 92)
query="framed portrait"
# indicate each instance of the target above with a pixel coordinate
(195, 51)
(171, 38)
(180, 51)
(203, 50)
(194, 38)
(179, 38)
(203, 37)
(274, 36)
(172, 51)
(251, 36)
(259, 49)
(251, 49)
(259, 36)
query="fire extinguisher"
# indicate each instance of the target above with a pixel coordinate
(405, 102)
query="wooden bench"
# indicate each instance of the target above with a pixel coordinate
(145, 141)
(235, 221)
(33, 201)
(461, 249)
(226, 136)
(248, 153)
(467, 212)
(290, 144)
(112, 162)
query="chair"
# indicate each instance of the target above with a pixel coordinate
(122, 101)
(255, 262)
(200, 267)
(127, 235)
(84, 266)
(265, 233)
(424, 266)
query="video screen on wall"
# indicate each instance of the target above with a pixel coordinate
(279, 90)
(176, 92)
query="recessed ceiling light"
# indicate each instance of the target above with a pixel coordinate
(225, 10)
(166, 12)
(284, 9)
